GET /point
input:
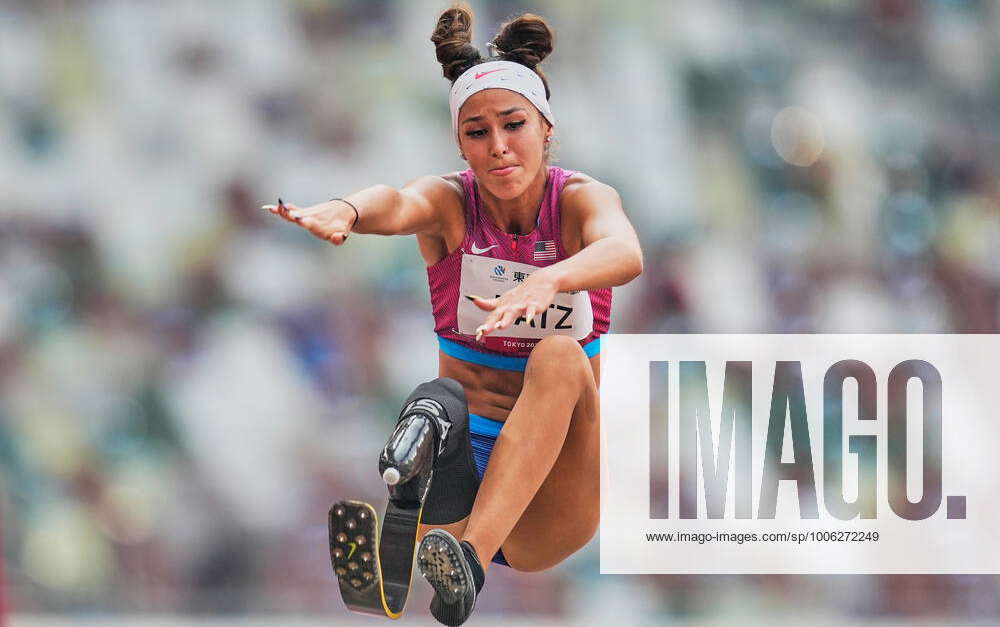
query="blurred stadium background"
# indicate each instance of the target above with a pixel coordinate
(187, 383)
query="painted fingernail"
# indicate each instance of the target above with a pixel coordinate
(530, 318)
(280, 202)
(472, 298)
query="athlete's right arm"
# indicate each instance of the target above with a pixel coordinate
(382, 210)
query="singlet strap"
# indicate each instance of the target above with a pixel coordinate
(550, 218)
(554, 215)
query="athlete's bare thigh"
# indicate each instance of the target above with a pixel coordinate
(492, 393)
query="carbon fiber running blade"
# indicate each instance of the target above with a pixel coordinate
(374, 570)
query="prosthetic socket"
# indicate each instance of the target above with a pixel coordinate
(428, 458)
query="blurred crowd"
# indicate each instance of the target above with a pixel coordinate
(187, 383)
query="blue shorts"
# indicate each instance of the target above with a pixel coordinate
(483, 432)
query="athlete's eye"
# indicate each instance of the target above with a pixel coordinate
(515, 125)
(476, 133)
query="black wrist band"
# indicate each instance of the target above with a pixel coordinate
(357, 216)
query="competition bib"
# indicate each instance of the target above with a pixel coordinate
(569, 314)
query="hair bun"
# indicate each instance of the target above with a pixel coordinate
(526, 40)
(452, 38)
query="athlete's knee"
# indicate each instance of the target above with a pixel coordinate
(559, 353)
(588, 528)
(584, 529)
(560, 344)
(533, 564)
(570, 541)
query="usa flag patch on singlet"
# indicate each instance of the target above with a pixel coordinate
(545, 250)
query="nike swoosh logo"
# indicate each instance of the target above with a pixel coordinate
(478, 251)
(479, 75)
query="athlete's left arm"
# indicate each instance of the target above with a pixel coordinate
(610, 256)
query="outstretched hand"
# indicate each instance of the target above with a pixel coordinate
(527, 300)
(330, 220)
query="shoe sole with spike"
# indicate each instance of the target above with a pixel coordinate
(442, 563)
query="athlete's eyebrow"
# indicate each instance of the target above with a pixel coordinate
(476, 118)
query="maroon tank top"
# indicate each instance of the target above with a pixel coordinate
(488, 263)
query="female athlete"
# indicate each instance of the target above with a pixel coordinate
(521, 256)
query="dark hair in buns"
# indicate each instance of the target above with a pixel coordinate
(526, 40)
(453, 40)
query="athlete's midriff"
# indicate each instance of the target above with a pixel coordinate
(492, 392)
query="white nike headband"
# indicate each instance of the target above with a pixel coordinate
(503, 75)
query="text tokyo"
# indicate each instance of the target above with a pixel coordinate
(734, 452)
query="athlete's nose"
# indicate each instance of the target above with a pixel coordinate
(499, 146)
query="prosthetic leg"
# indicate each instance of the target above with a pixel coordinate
(374, 566)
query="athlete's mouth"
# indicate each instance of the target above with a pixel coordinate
(504, 170)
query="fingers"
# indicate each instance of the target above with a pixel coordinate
(509, 316)
(283, 210)
(486, 304)
(336, 237)
(308, 218)
(529, 313)
(504, 316)
(286, 211)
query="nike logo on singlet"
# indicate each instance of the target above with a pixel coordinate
(478, 251)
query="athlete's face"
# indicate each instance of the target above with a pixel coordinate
(502, 136)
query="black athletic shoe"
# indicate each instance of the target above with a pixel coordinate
(456, 575)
